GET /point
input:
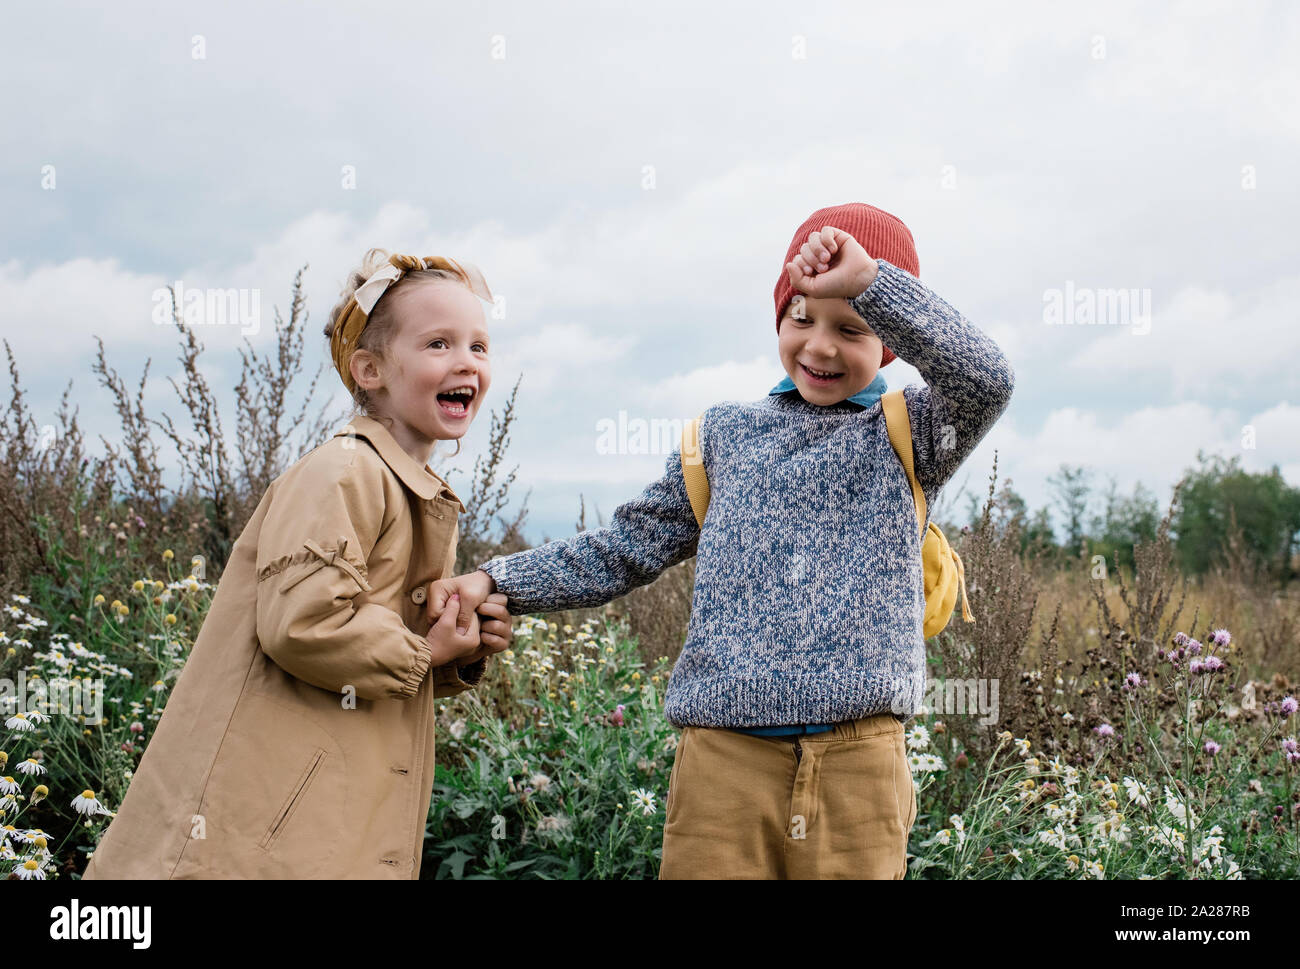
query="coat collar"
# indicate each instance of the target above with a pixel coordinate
(421, 480)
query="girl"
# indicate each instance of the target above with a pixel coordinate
(298, 740)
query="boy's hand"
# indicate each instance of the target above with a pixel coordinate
(496, 631)
(832, 264)
(473, 589)
(450, 643)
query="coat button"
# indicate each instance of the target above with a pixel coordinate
(418, 595)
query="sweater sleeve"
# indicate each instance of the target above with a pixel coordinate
(968, 379)
(646, 535)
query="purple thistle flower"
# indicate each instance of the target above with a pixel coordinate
(1289, 745)
(1212, 663)
(1289, 706)
(1293, 758)
(1211, 748)
(1180, 639)
(1134, 679)
(616, 718)
(1193, 646)
(1104, 730)
(1221, 637)
(1195, 666)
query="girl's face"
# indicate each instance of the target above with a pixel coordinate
(829, 353)
(435, 371)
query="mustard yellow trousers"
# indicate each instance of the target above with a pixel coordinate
(837, 804)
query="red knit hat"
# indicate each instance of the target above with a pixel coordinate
(884, 236)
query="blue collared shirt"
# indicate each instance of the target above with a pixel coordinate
(866, 397)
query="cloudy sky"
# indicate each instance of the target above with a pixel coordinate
(628, 177)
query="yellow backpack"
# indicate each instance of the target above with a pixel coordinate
(944, 574)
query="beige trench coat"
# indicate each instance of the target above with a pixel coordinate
(298, 739)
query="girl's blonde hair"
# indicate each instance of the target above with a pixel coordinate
(381, 324)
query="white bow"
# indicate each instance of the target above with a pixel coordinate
(368, 293)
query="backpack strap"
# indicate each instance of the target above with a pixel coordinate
(900, 435)
(697, 481)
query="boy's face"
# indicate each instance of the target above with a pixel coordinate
(827, 349)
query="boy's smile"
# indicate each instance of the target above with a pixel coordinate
(827, 349)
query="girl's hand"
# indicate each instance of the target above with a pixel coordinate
(449, 642)
(831, 264)
(473, 589)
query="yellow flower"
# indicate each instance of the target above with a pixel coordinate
(636, 675)
(99, 600)
(168, 555)
(170, 619)
(123, 610)
(137, 585)
(115, 604)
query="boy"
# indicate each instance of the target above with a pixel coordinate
(804, 653)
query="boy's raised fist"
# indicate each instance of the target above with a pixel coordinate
(831, 264)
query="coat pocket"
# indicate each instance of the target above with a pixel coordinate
(294, 799)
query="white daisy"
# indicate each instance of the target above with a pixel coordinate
(19, 722)
(8, 786)
(29, 870)
(30, 766)
(86, 803)
(1137, 791)
(646, 799)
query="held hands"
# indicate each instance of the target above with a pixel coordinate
(476, 607)
(831, 264)
(450, 642)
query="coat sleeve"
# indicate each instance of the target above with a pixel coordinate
(646, 535)
(312, 618)
(968, 379)
(452, 678)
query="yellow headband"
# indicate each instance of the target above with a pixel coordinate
(355, 315)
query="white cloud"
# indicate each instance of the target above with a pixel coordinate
(690, 393)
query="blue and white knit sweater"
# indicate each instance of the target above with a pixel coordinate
(809, 596)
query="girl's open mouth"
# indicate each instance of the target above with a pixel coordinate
(820, 376)
(455, 402)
